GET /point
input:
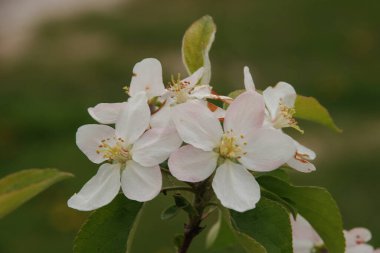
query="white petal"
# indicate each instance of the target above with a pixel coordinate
(267, 149)
(235, 187)
(197, 125)
(190, 164)
(89, 137)
(361, 248)
(106, 113)
(303, 233)
(99, 190)
(192, 80)
(248, 80)
(301, 165)
(201, 92)
(310, 154)
(155, 146)
(281, 92)
(141, 183)
(245, 114)
(134, 118)
(357, 236)
(219, 113)
(162, 118)
(147, 76)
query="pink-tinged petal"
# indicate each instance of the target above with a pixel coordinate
(106, 113)
(147, 76)
(304, 236)
(89, 137)
(235, 187)
(197, 125)
(201, 92)
(155, 146)
(301, 165)
(190, 164)
(357, 236)
(282, 92)
(361, 248)
(99, 191)
(304, 151)
(141, 183)
(162, 118)
(192, 80)
(248, 80)
(266, 150)
(245, 114)
(134, 118)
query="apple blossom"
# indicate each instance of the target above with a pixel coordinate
(306, 240)
(147, 76)
(241, 144)
(132, 155)
(279, 103)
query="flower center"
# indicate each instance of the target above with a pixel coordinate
(230, 147)
(284, 118)
(303, 158)
(114, 150)
(179, 90)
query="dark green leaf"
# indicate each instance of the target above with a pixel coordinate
(108, 228)
(169, 213)
(269, 224)
(183, 203)
(316, 205)
(196, 45)
(308, 108)
(17, 188)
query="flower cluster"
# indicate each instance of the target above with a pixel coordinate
(200, 140)
(306, 240)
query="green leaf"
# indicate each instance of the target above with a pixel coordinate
(185, 205)
(17, 188)
(110, 228)
(169, 212)
(269, 224)
(308, 108)
(316, 205)
(223, 235)
(196, 45)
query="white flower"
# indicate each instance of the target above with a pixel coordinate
(279, 103)
(147, 76)
(241, 144)
(132, 156)
(305, 239)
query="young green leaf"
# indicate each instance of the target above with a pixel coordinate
(308, 108)
(196, 45)
(269, 224)
(17, 188)
(169, 212)
(109, 228)
(316, 205)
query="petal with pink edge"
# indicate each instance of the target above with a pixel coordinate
(191, 164)
(141, 183)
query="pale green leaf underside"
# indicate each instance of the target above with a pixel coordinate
(108, 228)
(316, 205)
(19, 187)
(196, 45)
(308, 108)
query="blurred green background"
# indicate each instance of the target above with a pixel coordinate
(326, 49)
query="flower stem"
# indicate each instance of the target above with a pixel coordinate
(193, 226)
